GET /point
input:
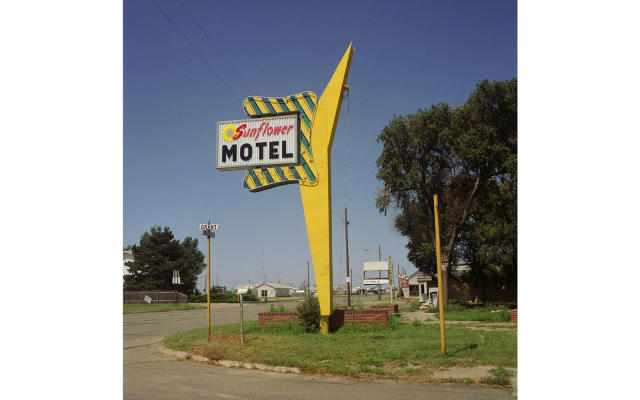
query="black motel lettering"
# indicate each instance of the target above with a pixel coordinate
(276, 151)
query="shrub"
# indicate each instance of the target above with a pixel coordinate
(195, 298)
(249, 296)
(218, 297)
(309, 314)
(279, 308)
(393, 322)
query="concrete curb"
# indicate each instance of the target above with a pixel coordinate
(182, 355)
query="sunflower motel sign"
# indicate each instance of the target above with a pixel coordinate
(258, 142)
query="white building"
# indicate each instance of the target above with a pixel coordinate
(425, 286)
(270, 289)
(127, 256)
(244, 288)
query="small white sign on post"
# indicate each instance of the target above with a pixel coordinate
(375, 281)
(147, 299)
(207, 229)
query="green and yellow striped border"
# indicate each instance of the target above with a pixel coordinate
(258, 179)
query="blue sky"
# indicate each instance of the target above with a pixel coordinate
(408, 55)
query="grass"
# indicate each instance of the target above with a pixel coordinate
(143, 308)
(499, 376)
(277, 299)
(354, 306)
(464, 311)
(408, 305)
(474, 314)
(396, 350)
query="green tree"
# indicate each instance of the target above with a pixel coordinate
(155, 258)
(464, 155)
(489, 242)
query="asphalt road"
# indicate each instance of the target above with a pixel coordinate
(147, 328)
(148, 374)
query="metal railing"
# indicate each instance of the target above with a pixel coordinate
(157, 297)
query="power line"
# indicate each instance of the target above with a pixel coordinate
(214, 45)
(196, 50)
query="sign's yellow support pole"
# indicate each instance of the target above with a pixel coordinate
(208, 288)
(443, 346)
(316, 197)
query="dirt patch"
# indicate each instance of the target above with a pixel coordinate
(419, 316)
(477, 374)
(210, 353)
(430, 318)
(473, 373)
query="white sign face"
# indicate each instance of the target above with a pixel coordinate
(258, 142)
(375, 281)
(208, 227)
(147, 299)
(376, 266)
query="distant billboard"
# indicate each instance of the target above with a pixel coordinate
(375, 281)
(380, 266)
(375, 266)
(258, 142)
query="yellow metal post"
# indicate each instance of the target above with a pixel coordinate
(208, 288)
(316, 196)
(443, 347)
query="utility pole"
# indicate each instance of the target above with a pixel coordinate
(346, 237)
(379, 274)
(241, 321)
(308, 292)
(391, 279)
